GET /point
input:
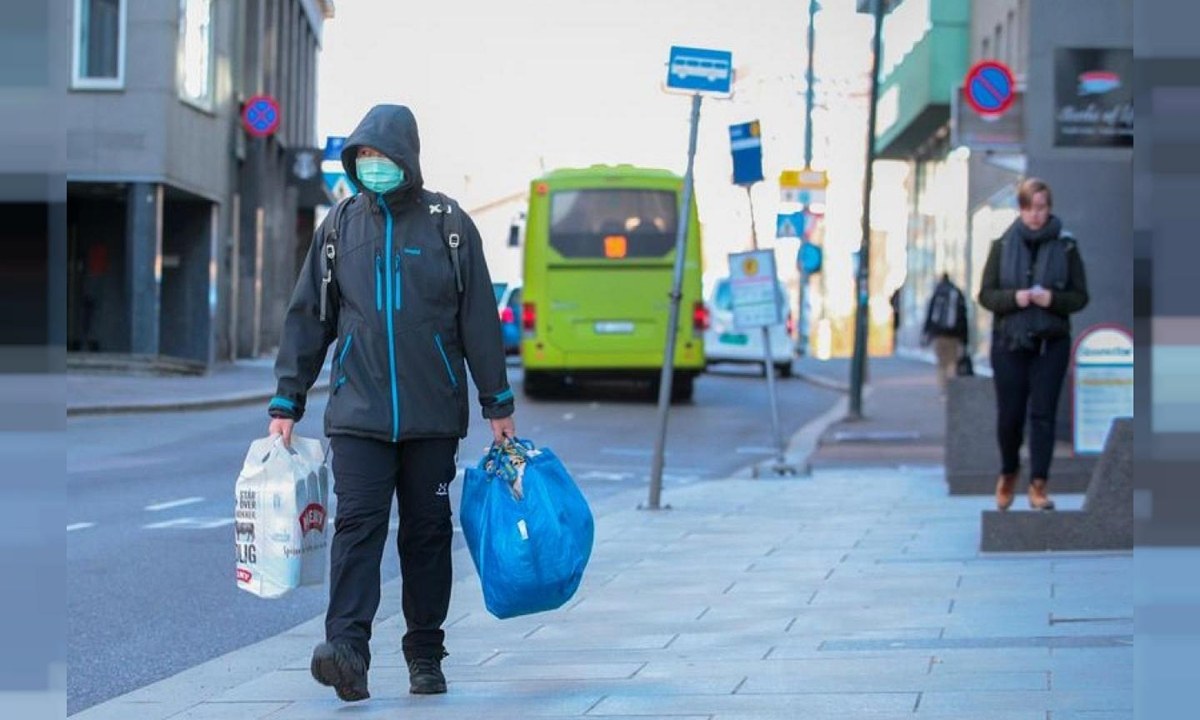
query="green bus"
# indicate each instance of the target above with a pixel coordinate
(598, 266)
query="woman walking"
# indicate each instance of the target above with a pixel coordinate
(1033, 282)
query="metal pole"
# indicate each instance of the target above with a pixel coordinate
(768, 359)
(809, 80)
(862, 288)
(664, 382)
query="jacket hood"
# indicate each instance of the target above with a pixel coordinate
(392, 130)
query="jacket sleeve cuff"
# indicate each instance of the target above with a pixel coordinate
(498, 405)
(282, 407)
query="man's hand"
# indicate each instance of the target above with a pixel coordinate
(1023, 298)
(1041, 297)
(282, 426)
(503, 428)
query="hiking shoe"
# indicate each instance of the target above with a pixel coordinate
(425, 676)
(338, 666)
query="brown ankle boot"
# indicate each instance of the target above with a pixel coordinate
(1006, 487)
(1038, 499)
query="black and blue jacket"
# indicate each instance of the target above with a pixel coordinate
(404, 332)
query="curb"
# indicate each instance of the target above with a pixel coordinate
(821, 381)
(206, 403)
(803, 443)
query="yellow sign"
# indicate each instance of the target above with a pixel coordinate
(806, 179)
(750, 266)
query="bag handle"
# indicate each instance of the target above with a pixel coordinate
(504, 460)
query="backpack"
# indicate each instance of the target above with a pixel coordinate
(946, 310)
(451, 233)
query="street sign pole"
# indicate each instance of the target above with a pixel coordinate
(780, 467)
(664, 383)
(862, 287)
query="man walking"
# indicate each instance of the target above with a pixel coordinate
(396, 275)
(946, 328)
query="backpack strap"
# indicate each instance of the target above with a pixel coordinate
(452, 233)
(329, 251)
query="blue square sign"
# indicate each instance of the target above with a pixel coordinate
(700, 70)
(745, 141)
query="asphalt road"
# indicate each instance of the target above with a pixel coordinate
(149, 536)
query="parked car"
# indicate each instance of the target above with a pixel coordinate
(724, 343)
(508, 304)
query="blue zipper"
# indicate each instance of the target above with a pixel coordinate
(397, 276)
(342, 354)
(438, 340)
(391, 330)
(378, 282)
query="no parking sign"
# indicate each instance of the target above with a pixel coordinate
(261, 115)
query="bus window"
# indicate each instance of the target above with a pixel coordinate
(580, 220)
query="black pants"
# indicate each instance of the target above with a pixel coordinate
(1028, 382)
(367, 473)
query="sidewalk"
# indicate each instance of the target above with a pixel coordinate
(903, 421)
(240, 383)
(857, 592)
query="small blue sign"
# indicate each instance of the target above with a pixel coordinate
(809, 258)
(790, 225)
(745, 141)
(333, 147)
(700, 70)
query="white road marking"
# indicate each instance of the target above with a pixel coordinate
(568, 416)
(755, 450)
(599, 475)
(631, 452)
(190, 523)
(174, 504)
(80, 526)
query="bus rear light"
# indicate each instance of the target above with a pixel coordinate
(791, 325)
(528, 317)
(507, 315)
(700, 317)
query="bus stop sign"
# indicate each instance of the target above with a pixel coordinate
(700, 70)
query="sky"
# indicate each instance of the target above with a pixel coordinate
(503, 91)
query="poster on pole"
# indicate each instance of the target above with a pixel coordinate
(753, 282)
(1103, 361)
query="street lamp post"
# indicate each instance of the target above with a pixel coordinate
(862, 287)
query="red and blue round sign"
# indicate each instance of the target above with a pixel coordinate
(990, 88)
(261, 115)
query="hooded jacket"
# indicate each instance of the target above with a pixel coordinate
(404, 334)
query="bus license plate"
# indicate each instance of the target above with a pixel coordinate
(614, 328)
(734, 339)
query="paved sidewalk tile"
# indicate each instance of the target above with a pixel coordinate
(763, 607)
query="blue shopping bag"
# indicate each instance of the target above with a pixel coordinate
(528, 527)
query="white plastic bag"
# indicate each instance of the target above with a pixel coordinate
(281, 505)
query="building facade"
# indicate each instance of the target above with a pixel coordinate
(183, 228)
(1070, 123)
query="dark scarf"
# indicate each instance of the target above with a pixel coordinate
(1033, 257)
